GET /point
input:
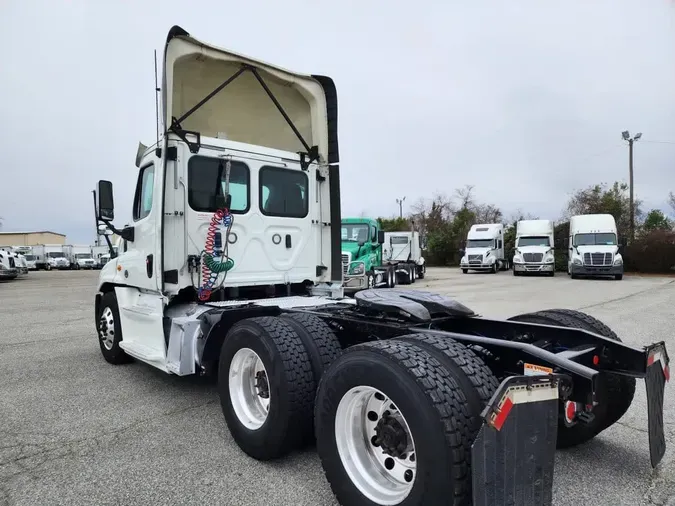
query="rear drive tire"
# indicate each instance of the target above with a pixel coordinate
(616, 398)
(397, 387)
(465, 271)
(421, 273)
(266, 387)
(110, 331)
(620, 389)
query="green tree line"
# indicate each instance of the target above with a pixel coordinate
(445, 221)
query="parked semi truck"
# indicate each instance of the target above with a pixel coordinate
(8, 267)
(535, 247)
(29, 257)
(372, 258)
(233, 264)
(79, 256)
(50, 256)
(593, 246)
(484, 249)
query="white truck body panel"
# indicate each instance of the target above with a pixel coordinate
(79, 256)
(402, 247)
(594, 246)
(28, 256)
(534, 247)
(484, 248)
(50, 256)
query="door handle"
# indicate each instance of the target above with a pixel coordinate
(148, 265)
(288, 241)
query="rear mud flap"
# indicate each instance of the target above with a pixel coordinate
(658, 372)
(513, 455)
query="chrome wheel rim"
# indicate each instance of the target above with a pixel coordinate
(249, 388)
(107, 328)
(375, 445)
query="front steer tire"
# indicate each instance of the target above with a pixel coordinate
(435, 409)
(109, 330)
(618, 394)
(289, 382)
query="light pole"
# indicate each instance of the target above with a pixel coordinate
(400, 206)
(626, 137)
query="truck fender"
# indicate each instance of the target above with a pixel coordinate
(217, 333)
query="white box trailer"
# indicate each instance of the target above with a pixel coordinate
(535, 251)
(50, 256)
(593, 246)
(484, 249)
(404, 251)
(79, 256)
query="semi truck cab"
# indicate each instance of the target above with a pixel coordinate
(593, 247)
(361, 245)
(484, 249)
(534, 247)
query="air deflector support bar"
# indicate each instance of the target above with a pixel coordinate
(310, 155)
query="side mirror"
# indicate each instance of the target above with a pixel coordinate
(105, 207)
(461, 251)
(380, 237)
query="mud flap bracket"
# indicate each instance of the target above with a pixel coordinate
(513, 456)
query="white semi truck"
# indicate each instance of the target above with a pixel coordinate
(535, 249)
(233, 264)
(8, 267)
(27, 253)
(484, 249)
(593, 247)
(404, 251)
(50, 256)
(79, 256)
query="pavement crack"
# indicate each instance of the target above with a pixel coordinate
(635, 294)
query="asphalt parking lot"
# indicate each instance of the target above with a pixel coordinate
(75, 430)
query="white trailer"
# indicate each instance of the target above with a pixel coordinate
(233, 265)
(593, 247)
(484, 249)
(404, 251)
(50, 256)
(535, 251)
(79, 256)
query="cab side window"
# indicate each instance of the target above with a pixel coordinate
(144, 190)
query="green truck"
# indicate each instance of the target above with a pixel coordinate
(367, 259)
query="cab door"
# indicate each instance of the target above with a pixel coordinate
(138, 264)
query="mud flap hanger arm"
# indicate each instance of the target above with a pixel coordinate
(310, 154)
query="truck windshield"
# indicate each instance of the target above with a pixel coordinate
(534, 241)
(55, 254)
(82, 255)
(29, 257)
(355, 232)
(604, 239)
(480, 243)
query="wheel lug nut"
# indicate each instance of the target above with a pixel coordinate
(408, 476)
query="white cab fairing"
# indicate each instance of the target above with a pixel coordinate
(242, 111)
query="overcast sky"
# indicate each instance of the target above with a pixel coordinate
(525, 99)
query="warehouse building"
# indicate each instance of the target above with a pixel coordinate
(31, 238)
